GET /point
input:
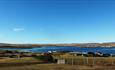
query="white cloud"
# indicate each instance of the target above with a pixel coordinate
(18, 29)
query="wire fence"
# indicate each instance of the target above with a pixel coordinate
(105, 61)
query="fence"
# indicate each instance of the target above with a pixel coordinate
(90, 61)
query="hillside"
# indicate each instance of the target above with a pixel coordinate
(112, 44)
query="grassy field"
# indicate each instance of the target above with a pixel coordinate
(56, 67)
(72, 63)
(81, 60)
(15, 60)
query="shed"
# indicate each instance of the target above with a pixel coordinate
(60, 61)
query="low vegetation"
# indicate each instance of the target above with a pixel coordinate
(45, 57)
(57, 67)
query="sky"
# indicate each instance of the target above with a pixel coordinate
(57, 21)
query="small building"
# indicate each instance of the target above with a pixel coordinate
(60, 61)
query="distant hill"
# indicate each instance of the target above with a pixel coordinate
(18, 45)
(111, 44)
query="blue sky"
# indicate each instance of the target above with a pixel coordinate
(57, 21)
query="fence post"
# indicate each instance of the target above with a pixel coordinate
(112, 60)
(84, 60)
(87, 60)
(72, 61)
(93, 60)
(77, 61)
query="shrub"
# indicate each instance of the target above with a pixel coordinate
(91, 54)
(47, 58)
(106, 55)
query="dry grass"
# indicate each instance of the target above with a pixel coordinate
(80, 60)
(56, 67)
(78, 64)
(14, 60)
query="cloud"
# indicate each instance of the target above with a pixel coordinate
(18, 29)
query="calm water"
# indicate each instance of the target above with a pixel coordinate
(65, 48)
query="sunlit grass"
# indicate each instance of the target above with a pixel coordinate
(14, 60)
